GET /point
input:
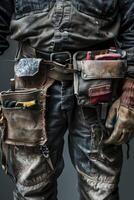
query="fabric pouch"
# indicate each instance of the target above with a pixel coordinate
(97, 81)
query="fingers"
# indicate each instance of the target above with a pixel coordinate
(120, 120)
(111, 119)
(118, 137)
(112, 115)
(115, 136)
(125, 137)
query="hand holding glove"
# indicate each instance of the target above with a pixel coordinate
(121, 116)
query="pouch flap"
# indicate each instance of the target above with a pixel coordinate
(21, 95)
(27, 67)
(101, 69)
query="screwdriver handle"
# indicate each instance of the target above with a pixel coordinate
(12, 84)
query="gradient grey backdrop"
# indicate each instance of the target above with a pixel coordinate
(68, 180)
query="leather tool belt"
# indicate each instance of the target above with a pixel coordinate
(97, 76)
(34, 67)
(60, 67)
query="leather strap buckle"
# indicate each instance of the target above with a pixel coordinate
(61, 57)
(64, 57)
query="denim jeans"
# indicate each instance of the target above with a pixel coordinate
(98, 166)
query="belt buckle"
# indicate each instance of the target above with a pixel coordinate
(54, 56)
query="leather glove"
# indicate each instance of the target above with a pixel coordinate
(120, 120)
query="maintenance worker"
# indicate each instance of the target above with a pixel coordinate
(65, 38)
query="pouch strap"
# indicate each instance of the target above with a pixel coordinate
(45, 87)
(4, 156)
(5, 151)
(60, 76)
(60, 72)
(48, 83)
(54, 62)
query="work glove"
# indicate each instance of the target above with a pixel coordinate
(120, 120)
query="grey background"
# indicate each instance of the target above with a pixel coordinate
(68, 180)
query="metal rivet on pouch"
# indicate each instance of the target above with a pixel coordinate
(85, 75)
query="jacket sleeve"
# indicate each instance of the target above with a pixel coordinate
(6, 11)
(126, 33)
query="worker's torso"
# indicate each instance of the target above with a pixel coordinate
(55, 25)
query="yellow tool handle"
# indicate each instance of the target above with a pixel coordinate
(26, 103)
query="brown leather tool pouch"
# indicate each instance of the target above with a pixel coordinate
(97, 81)
(23, 120)
(30, 73)
(23, 111)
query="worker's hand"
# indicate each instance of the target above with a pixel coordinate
(123, 129)
(120, 118)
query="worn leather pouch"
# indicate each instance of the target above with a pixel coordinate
(30, 73)
(97, 81)
(25, 124)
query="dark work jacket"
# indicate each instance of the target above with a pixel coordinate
(57, 25)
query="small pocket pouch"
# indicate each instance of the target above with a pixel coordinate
(99, 93)
(24, 114)
(97, 81)
(30, 73)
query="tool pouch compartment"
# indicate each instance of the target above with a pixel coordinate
(25, 125)
(97, 81)
(30, 73)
